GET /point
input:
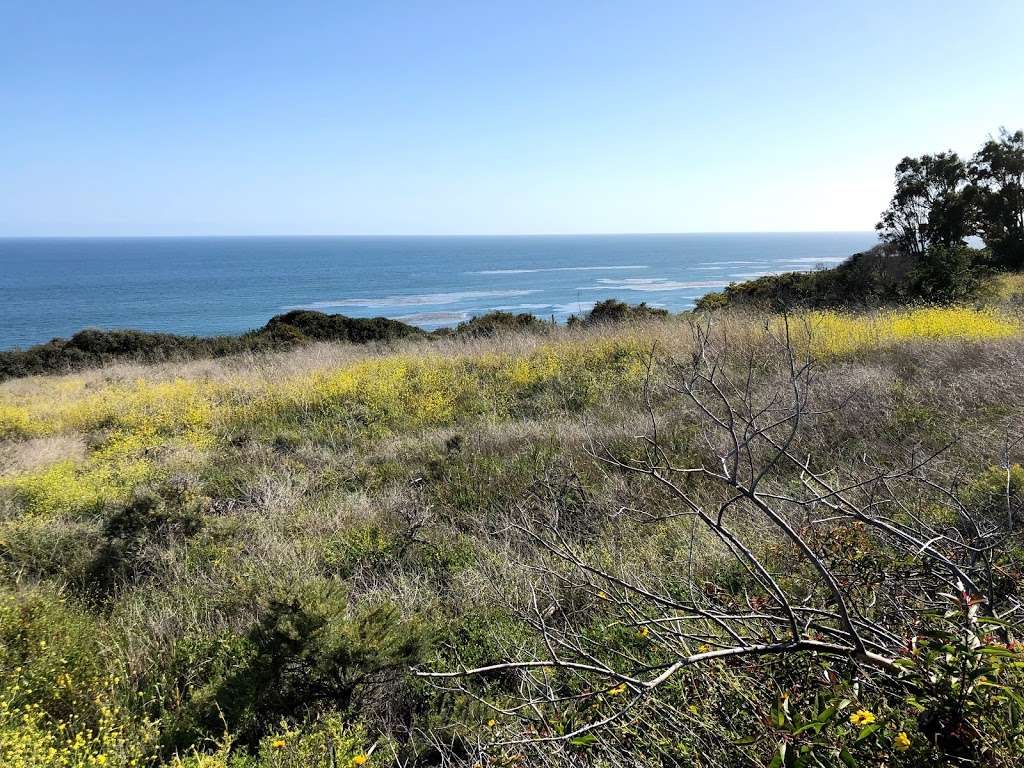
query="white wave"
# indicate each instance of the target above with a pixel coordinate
(572, 307)
(652, 284)
(755, 275)
(423, 299)
(554, 269)
(522, 307)
(434, 318)
(814, 259)
(730, 263)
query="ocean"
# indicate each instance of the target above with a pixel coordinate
(214, 285)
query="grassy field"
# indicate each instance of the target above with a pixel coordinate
(237, 561)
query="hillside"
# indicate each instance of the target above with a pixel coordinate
(92, 347)
(238, 561)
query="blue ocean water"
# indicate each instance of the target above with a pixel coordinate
(211, 285)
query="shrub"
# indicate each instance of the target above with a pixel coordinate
(613, 311)
(308, 653)
(879, 277)
(496, 323)
(93, 347)
(947, 275)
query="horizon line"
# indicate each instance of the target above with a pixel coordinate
(440, 235)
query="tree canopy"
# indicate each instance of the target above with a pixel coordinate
(940, 200)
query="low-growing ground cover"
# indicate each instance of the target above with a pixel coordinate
(238, 561)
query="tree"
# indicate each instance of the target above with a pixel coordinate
(946, 274)
(931, 205)
(997, 175)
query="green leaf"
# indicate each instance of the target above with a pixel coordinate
(847, 758)
(585, 740)
(825, 715)
(867, 731)
(816, 726)
(989, 650)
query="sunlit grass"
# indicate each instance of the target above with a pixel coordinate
(137, 430)
(1008, 285)
(394, 393)
(294, 465)
(830, 334)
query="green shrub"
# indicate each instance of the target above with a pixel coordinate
(308, 653)
(497, 323)
(93, 347)
(614, 311)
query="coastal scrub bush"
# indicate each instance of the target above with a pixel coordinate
(495, 323)
(614, 311)
(92, 347)
(308, 653)
(948, 274)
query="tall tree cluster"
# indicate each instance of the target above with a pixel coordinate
(941, 200)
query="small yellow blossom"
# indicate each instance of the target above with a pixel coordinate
(101, 759)
(618, 689)
(278, 743)
(644, 632)
(902, 742)
(862, 717)
(359, 759)
(491, 723)
(603, 595)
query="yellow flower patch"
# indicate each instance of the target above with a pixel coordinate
(829, 334)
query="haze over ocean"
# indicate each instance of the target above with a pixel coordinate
(212, 285)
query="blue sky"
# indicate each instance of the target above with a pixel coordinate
(122, 118)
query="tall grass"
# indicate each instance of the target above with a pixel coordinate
(379, 473)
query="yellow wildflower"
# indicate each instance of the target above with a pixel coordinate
(618, 689)
(862, 717)
(644, 632)
(359, 759)
(491, 723)
(603, 595)
(902, 742)
(278, 743)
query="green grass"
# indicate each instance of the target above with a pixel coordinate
(235, 562)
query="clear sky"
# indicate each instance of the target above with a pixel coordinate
(376, 117)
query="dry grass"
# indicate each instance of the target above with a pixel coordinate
(34, 453)
(396, 472)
